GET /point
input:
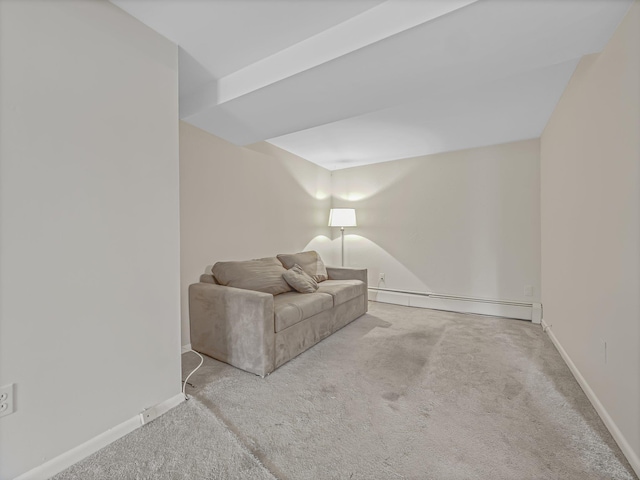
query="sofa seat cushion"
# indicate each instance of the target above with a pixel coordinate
(342, 290)
(291, 308)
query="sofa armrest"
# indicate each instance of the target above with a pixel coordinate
(233, 325)
(344, 273)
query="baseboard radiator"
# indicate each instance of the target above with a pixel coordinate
(455, 303)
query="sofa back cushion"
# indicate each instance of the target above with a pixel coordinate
(310, 262)
(261, 275)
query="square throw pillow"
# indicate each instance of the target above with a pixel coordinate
(300, 280)
(310, 262)
(261, 275)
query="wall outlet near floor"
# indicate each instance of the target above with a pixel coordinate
(381, 277)
(528, 290)
(149, 414)
(6, 400)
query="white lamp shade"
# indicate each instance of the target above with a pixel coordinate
(342, 217)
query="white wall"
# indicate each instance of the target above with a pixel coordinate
(240, 203)
(464, 223)
(590, 154)
(89, 205)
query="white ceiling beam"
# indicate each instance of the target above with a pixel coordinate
(488, 40)
(376, 24)
(345, 82)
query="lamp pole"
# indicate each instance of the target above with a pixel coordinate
(342, 217)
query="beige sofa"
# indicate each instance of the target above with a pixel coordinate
(258, 332)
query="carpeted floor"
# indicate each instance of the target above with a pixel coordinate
(399, 393)
(188, 442)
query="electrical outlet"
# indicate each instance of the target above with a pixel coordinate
(382, 277)
(6, 400)
(528, 290)
(149, 414)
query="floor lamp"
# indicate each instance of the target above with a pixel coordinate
(342, 217)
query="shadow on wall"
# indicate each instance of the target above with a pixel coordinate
(315, 185)
(438, 241)
(460, 223)
(375, 199)
(348, 188)
(358, 253)
(326, 248)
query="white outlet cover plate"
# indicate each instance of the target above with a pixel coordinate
(149, 414)
(6, 400)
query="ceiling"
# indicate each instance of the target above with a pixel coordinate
(344, 83)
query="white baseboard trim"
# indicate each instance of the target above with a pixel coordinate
(64, 461)
(488, 307)
(617, 435)
(186, 348)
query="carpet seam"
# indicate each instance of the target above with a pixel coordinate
(228, 426)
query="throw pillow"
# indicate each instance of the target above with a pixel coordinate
(261, 275)
(300, 280)
(310, 262)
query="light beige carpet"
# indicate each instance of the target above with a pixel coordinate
(399, 393)
(188, 442)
